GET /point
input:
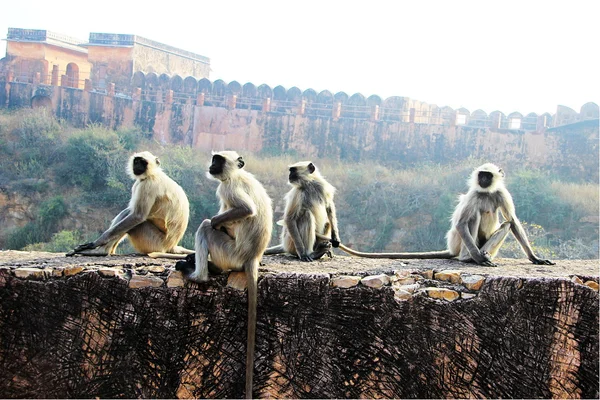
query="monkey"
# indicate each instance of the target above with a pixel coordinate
(476, 234)
(235, 238)
(155, 219)
(309, 209)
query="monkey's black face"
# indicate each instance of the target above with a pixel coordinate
(293, 175)
(485, 179)
(140, 165)
(218, 165)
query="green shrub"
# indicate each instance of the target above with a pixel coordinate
(61, 242)
(48, 217)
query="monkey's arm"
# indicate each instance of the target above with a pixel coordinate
(517, 230)
(244, 209)
(331, 214)
(137, 212)
(292, 227)
(464, 228)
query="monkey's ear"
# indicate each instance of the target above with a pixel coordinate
(311, 168)
(241, 162)
(157, 161)
(501, 171)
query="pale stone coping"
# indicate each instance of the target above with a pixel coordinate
(447, 285)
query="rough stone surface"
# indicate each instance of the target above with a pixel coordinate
(466, 296)
(345, 281)
(576, 279)
(529, 333)
(592, 284)
(375, 281)
(473, 282)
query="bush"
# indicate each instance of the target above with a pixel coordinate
(49, 215)
(29, 143)
(61, 242)
(100, 162)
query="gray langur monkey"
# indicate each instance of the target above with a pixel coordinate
(155, 219)
(309, 211)
(476, 234)
(235, 238)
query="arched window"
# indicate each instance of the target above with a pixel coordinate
(72, 75)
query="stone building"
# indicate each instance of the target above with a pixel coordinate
(41, 56)
(36, 55)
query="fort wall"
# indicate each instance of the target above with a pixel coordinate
(215, 116)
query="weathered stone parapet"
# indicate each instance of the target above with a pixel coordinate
(132, 327)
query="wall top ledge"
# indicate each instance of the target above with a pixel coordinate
(56, 265)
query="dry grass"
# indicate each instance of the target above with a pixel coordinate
(585, 196)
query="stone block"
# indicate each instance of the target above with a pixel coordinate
(592, 284)
(73, 270)
(449, 275)
(427, 274)
(108, 272)
(30, 273)
(140, 281)
(175, 279)
(442, 293)
(407, 288)
(473, 282)
(402, 295)
(575, 279)
(375, 281)
(237, 280)
(345, 281)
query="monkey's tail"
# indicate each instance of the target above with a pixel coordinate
(171, 256)
(274, 250)
(252, 280)
(428, 255)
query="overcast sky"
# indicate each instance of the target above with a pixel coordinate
(524, 56)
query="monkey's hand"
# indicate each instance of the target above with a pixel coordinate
(484, 258)
(82, 247)
(214, 223)
(539, 261)
(335, 242)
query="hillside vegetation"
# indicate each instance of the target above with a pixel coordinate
(74, 181)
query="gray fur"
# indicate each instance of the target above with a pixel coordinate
(309, 212)
(154, 221)
(476, 234)
(236, 237)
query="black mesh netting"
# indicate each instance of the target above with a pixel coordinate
(89, 336)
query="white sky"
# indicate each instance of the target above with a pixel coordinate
(524, 56)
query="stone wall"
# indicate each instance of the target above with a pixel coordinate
(131, 328)
(220, 122)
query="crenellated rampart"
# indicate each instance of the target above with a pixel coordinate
(216, 115)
